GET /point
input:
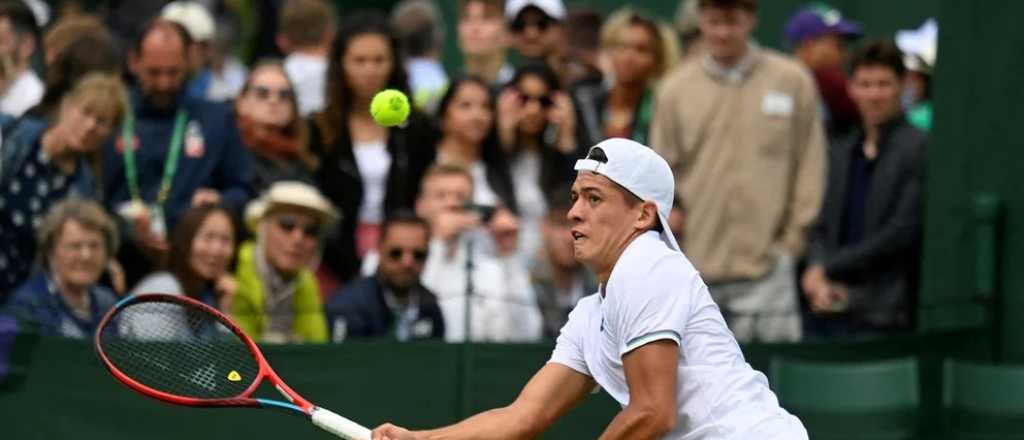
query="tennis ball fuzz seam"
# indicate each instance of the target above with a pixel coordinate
(390, 107)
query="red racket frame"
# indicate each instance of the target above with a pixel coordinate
(243, 399)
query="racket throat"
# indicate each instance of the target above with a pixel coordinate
(284, 393)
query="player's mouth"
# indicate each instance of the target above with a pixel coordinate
(577, 236)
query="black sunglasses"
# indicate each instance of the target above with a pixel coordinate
(395, 254)
(288, 224)
(263, 92)
(544, 101)
(520, 24)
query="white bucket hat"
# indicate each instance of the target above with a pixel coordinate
(638, 169)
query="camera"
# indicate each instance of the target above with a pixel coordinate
(484, 211)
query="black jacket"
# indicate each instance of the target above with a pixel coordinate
(882, 268)
(359, 311)
(411, 149)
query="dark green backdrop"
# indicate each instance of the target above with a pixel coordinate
(68, 394)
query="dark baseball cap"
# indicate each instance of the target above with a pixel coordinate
(819, 20)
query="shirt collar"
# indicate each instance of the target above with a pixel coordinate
(277, 287)
(736, 73)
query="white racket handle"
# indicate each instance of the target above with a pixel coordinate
(338, 425)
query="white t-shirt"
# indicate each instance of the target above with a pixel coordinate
(503, 307)
(532, 205)
(151, 322)
(226, 84)
(374, 162)
(482, 192)
(23, 93)
(654, 294)
(308, 74)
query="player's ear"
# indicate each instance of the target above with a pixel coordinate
(648, 216)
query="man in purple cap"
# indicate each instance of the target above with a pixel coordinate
(819, 35)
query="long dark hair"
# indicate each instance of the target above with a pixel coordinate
(296, 129)
(333, 120)
(556, 168)
(178, 262)
(543, 72)
(499, 175)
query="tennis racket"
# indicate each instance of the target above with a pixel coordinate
(179, 350)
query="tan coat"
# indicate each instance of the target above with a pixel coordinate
(748, 158)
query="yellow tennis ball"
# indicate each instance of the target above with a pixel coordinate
(390, 107)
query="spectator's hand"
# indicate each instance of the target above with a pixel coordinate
(117, 277)
(820, 300)
(510, 113)
(205, 196)
(388, 431)
(504, 226)
(563, 113)
(814, 279)
(152, 244)
(225, 288)
(449, 224)
(839, 296)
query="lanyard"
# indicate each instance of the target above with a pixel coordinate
(170, 166)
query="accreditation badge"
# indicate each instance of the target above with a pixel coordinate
(157, 222)
(195, 145)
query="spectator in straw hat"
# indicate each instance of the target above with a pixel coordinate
(278, 297)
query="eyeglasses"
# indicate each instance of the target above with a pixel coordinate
(520, 24)
(289, 224)
(264, 92)
(544, 101)
(395, 254)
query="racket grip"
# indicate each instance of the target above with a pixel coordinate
(338, 425)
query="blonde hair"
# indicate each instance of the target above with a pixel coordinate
(667, 52)
(444, 169)
(85, 212)
(104, 93)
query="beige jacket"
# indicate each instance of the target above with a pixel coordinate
(747, 148)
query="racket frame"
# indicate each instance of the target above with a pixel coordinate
(295, 401)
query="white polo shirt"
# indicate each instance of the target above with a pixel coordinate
(653, 294)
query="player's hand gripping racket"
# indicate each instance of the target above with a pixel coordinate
(179, 350)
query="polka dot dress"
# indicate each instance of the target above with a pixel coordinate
(37, 186)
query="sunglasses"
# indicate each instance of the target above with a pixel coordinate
(395, 254)
(289, 224)
(263, 92)
(544, 101)
(520, 24)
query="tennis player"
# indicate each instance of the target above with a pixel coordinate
(652, 337)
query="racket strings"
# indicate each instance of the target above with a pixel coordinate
(180, 350)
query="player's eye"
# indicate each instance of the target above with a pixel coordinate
(594, 199)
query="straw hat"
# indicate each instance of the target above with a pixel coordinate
(290, 194)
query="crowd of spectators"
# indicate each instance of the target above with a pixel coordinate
(229, 155)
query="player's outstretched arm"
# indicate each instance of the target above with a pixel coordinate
(553, 391)
(651, 375)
